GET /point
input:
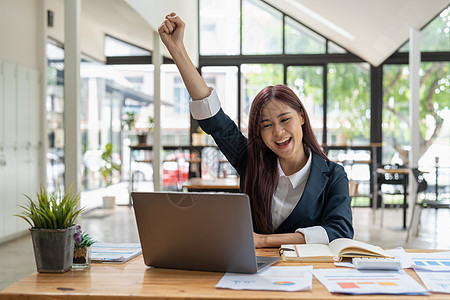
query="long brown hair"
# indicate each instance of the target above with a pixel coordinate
(262, 175)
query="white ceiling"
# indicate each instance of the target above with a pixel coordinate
(154, 12)
(373, 30)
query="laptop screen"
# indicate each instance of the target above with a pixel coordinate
(197, 231)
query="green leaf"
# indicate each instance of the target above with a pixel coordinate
(51, 211)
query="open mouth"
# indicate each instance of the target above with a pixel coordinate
(283, 142)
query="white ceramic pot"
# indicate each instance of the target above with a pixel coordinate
(109, 201)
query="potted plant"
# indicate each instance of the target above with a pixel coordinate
(129, 120)
(83, 241)
(107, 171)
(143, 127)
(52, 220)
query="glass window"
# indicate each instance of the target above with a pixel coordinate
(224, 80)
(435, 36)
(107, 94)
(404, 48)
(55, 118)
(435, 126)
(175, 117)
(301, 40)
(262, 28)
(348, 110)
(434, 114)
(254, 78)
(115, 47)
(219, 27)
(395, 118)
(307, 83)
(333, 48)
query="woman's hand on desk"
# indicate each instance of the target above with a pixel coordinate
(276, 240)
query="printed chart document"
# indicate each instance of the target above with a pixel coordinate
(351, 281)
(114, 252)
(438, 282)
(283, 278)
(337, 249)
(435, 261)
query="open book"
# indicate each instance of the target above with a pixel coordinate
(337, 249)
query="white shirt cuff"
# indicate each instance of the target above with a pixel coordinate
(205, 108)
(314, 235)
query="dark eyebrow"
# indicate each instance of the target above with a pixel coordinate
(279, 116)
(283, 114)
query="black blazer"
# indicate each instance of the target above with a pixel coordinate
(325, 201)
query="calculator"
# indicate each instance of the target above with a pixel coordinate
(377, 263)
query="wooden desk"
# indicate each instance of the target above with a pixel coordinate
(229, 184)
(134, 280)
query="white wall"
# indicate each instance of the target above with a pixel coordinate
(18, 32)
(19, 143)
(20, 109)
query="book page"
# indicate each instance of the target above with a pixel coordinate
(314, 250)
(344, 246)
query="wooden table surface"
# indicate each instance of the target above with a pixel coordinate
(393, 171)
(134, 280)
(213, 184)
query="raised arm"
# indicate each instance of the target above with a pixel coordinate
(171, 32)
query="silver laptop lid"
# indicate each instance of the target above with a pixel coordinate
(196, 231)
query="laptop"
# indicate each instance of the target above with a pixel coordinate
(197, 231)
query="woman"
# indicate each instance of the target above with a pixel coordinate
(297, 195)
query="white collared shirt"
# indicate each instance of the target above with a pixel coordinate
(289, 191)
(290, 188)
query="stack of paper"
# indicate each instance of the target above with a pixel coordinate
(432, 268)
(114, 252)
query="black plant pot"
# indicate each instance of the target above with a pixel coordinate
(142, 138)
(53, 249)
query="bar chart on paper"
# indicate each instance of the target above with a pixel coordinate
(436, 262)
(368, 282)
(431, 261)
(435, 281)
(275, 278)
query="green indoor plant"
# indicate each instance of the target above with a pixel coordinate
(129, 120)
(107, 173)
(108, 164)
(52, 220)
(82, 242)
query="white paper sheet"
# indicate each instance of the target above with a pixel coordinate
(438, 282)
(400, 253)
(435, 261)
(114, 252)
(351, 281)
(280, 278)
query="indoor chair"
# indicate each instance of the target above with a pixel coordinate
(415, 215)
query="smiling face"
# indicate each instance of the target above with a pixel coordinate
(281, 131)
